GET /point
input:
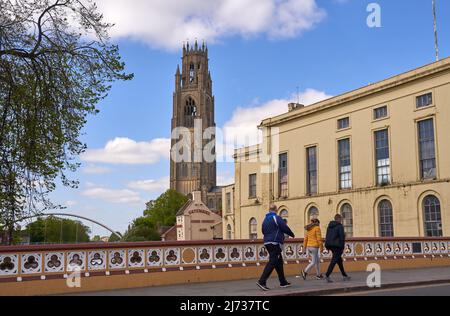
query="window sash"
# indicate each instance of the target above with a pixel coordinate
(386, 219)
(424, 100)
(344, 123)
(380, 112)
(312, 170)
(433, 217)
(382, 157)
(283, 176)
(345, 169)
(427, 149)
(252, 186)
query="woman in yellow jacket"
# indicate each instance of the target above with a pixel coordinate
(313, 245)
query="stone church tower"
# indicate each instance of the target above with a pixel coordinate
(193, 106)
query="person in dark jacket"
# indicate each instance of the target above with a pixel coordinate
(335, 242)
(274, 229)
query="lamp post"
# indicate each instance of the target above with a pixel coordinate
(436, 42)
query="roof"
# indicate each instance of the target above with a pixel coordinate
(168, 231)
(216, 189)
(418, 73)
(183, 208)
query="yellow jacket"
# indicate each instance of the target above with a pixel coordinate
(313, 237)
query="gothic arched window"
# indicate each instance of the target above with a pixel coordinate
(432, 216)
(190, 108)
(192, 73)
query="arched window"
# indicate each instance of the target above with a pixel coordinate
(253, 229)
(313, 213)
(192, 73)
(229, 232)
(432, 216)
(284, 214)
(190, 108)
(347, 216)
(386, 219)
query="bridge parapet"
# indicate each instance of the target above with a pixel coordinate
(41, 270)
(27, 263)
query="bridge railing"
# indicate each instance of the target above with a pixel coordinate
(27, 263)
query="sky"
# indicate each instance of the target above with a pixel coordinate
(261, 53)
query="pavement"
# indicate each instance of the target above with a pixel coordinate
(390, 279)
(425, 290)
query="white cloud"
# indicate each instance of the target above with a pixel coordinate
(241, 130)
(166, 23)
(93, 169)
(113, 196)
(159, 185)
(128, 151)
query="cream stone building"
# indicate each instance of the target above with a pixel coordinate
(195, 221)
(379, 155)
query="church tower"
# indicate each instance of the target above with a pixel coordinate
(193, 109)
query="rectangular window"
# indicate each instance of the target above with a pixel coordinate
(380, 113)
(252, 186)
(228, 202)
(343, 123)
(424, 100)
(311, 174)
(427, 149)
(345, 167)
(283, 176)
(382, 157)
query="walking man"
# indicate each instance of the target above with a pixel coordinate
(274, 230)
(335, 242)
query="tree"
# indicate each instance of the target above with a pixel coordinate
(56, 64)
(57, 230)
(159, 213)
(114, 238)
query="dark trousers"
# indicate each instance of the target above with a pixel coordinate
(337, 259)
(275, 263)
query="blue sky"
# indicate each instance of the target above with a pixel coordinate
(257, 59)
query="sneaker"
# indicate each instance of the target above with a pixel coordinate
(319, 277)
(285, 286)
(263, 287)
(328, 280)
(304, 275)
(347, 279)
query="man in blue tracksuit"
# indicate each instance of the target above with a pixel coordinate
(274, 229)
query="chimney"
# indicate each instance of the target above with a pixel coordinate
(197, 196)
(295, 106)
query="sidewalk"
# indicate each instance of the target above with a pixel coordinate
(392, 278)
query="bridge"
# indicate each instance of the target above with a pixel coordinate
(43, 270)
(72, 216)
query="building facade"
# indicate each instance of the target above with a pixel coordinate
(195, 221)
(379, 155)
(194, 116)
